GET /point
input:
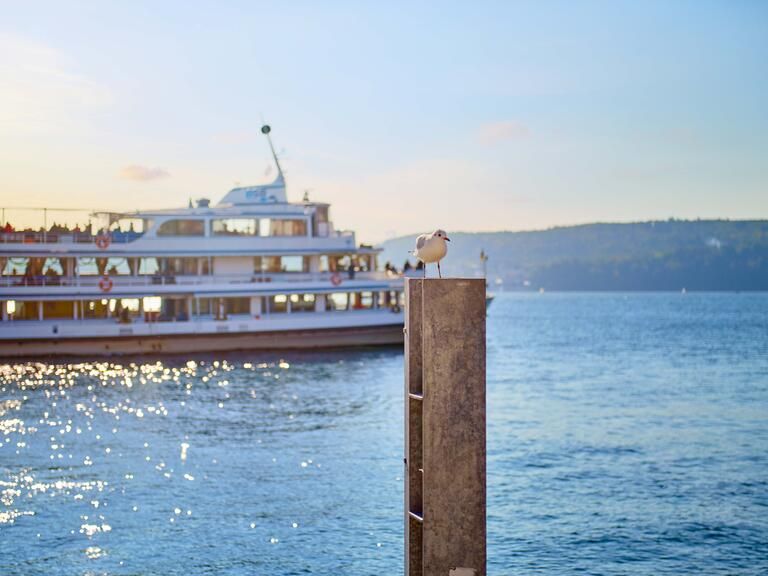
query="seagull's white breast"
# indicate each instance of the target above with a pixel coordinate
(433, 250)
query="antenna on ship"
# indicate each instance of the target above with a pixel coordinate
(266, 130)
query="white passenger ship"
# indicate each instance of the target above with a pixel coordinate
(255, 271)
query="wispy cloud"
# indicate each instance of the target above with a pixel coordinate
(495, 132)
(39, 89)
(143, 173)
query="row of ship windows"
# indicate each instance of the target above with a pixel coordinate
(234, 227)
(176, 308)
(24, 266)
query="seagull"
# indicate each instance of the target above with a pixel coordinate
(432, 248)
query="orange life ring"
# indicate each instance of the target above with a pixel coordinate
(336, 279)
(103, 241)
(105, 284)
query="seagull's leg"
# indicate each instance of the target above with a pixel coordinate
(424, 270)
(438, 269)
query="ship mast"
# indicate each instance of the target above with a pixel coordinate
(266, 130)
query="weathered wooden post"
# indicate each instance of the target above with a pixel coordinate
(445, 427)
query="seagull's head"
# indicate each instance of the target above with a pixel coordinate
(441, 234)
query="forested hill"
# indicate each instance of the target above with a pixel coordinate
(660, 255)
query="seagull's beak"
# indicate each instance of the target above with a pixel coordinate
(447, 239)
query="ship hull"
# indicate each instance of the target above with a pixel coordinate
(344, 337)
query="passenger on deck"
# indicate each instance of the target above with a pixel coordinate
(406, 266)
(8, 227)
(124, 316)
(51, 277)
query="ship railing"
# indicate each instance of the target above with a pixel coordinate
(337, 278)
(23, 237)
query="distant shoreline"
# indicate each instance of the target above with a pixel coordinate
(698, 255)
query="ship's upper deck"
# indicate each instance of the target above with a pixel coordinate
(242, 229)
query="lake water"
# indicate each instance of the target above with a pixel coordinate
(627, 434)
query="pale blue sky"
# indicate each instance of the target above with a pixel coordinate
(406, 116)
